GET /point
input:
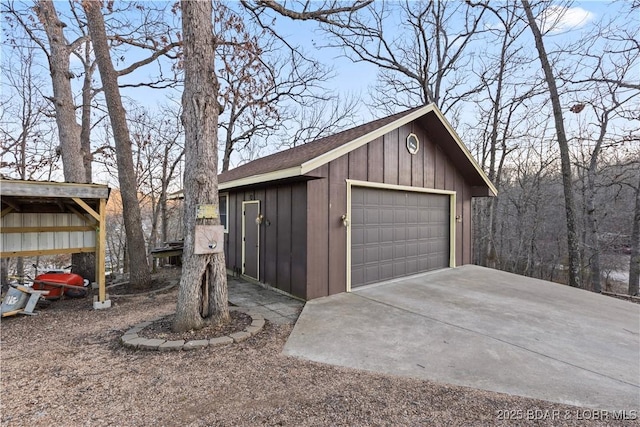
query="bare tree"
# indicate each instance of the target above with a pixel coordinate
(565, 158)
(426, 63)
(158, 151)
(27, 149)
(262, 83)
(503, 103)
(634, 262)
(609, 102)
(75, 140)
(116, 238)
(146, 32)
(58, 55)
(528, 237)
(591, 168)
(139, 276)
(319, 119)
(202, 296)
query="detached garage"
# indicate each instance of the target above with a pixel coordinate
(383, 200)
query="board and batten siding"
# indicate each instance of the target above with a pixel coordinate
(384, 160)
(283, 244)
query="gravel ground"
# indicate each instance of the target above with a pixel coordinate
(65, 367)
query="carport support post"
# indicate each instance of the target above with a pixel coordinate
(101, 240)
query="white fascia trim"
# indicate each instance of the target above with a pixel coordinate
(340, 151)
(364, 139)
(466, 151)
(383, 186)
(265, 177)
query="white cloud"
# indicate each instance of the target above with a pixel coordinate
(557, 19)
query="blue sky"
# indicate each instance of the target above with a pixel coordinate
(357, 78)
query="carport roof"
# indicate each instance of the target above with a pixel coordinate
(303, 159)
(46, 196)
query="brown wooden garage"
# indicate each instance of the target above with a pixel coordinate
(382, 200)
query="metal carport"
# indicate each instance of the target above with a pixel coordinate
(46, 218)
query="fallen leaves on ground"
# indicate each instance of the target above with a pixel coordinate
(65, 367)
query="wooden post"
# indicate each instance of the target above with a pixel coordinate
(101, 238)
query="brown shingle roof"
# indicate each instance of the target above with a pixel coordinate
(298, 155)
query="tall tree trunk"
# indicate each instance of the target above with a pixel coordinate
(74, 139)
(592, 224)
(565, 159)
(85, 129)
(165, 217)
(20, 269)
(202, 297)
(634, 263)
(68, 127)
(139, 275)
(4, 274)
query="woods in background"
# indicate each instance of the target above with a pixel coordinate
(544, 93)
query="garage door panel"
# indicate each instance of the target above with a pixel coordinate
(357, 274)
(371, 272)
(371, 216)
(386, 215)
(387, 234)
(372, 198)
(412, 232)
(357, 236)
(386, 270)
(412, 215)
(399, 269)
(412, 199)
(435, 261)
(357, 255)
(412, 265)
(371, 254)
(400, 215)
(371, 235)
(357, 216)
(386, 252)
(423, 234)
(412, 249)
(387, 198)
(397, 233)
(358, 198)
(399, 251)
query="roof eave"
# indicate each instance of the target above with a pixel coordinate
(340, 151)
(261, 178)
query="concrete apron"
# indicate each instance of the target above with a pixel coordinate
(485, 329)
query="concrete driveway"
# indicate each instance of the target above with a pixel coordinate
(486, 329)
